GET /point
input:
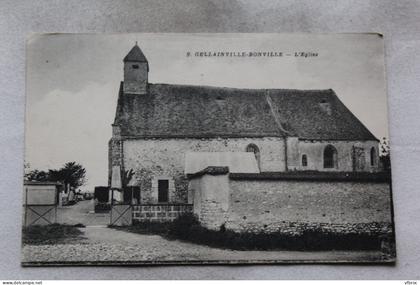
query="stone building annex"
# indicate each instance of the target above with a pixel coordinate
(248, 159)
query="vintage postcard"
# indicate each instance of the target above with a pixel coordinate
(206, 149)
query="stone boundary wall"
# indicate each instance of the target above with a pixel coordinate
(210, 213)
(294, 206)
(210, 193)
(293, 203)
(159, 212)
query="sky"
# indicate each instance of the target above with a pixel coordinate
(73, 80)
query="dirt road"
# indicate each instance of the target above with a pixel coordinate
(82, 212)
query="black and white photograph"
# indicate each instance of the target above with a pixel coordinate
(153, 148)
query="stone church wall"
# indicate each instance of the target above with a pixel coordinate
(154, 158)
(314, 151)
(292, 206)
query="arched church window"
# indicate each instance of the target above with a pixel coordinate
(330, 157)
(253, 148)
(304, 160)
(372, 156)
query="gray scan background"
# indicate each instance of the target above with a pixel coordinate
(399, 21)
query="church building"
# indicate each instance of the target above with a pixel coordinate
(162, 133)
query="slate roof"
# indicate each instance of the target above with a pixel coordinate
(202, 111)
(135, 54)
(302, 114)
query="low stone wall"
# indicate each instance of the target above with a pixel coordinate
(293, 203)
(159, 212)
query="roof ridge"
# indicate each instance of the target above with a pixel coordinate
(239, 88)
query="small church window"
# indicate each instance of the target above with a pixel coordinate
(330, 157)
(372, 156)
(253, 148)
(304, 160)
(163, 191)
(135, 66)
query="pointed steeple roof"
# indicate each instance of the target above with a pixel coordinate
(135, 54)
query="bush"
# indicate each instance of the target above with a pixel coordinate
(183, 225)
(314, 239)
(187, 228)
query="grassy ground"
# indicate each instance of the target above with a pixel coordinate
(187, 228)
(50, 234)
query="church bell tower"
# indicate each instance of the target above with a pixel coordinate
(136, 69)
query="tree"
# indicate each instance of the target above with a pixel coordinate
(37, 175)
(126, 178)
(71, 173)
